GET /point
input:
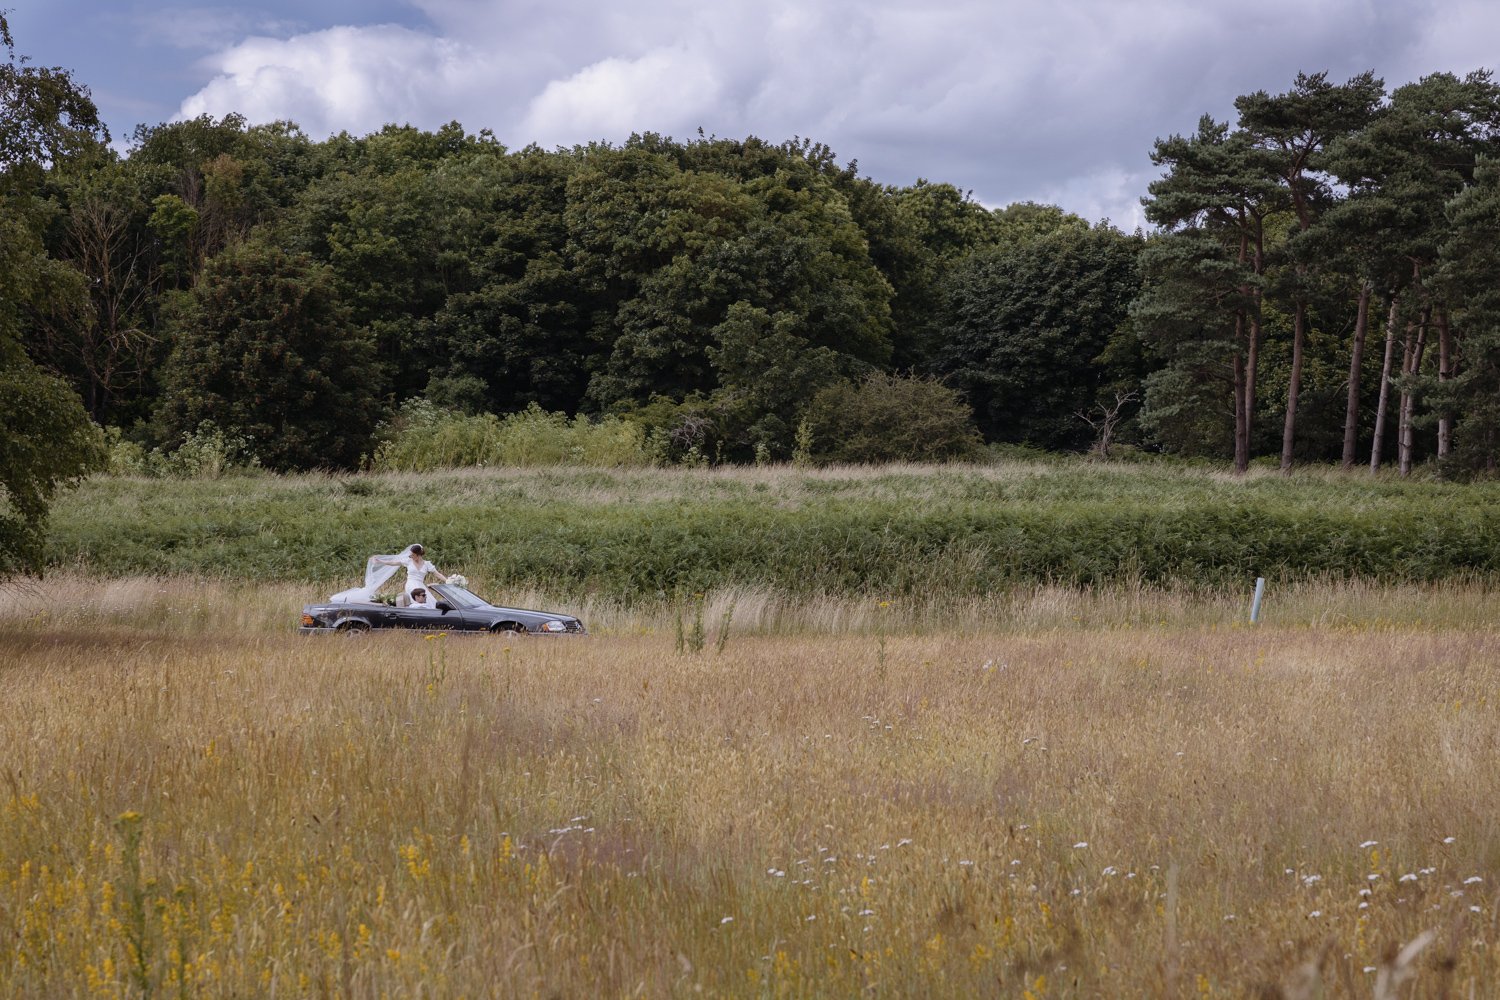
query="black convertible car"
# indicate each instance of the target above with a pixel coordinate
(457, 611)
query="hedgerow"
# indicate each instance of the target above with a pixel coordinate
(643, 533)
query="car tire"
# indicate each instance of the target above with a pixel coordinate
(353, 627)
(507, 628)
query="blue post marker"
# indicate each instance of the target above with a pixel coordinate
(1260, 591)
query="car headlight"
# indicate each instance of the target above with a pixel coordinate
(554, 626)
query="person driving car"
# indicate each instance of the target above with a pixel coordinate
(421, 599)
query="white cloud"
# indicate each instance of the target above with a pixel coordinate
(343, 78)
(1011, 99)
(614, 97)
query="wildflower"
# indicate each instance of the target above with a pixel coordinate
(1472, 879)
(1315, 913)
(1369, 843)
(1110, 870)
(1449, 840)
(1080, 845)
(726, 920)
(1408, 877)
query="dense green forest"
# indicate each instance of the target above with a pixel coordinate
(1320, 285)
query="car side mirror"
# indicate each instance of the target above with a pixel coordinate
(444, 607)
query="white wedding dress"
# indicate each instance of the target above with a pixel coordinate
(378, 569)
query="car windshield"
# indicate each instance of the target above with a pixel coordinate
(456, 596)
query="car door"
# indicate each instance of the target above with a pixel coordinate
(424, 620)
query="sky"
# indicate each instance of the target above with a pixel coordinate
(1056, 101)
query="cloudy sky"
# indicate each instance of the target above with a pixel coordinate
(1049, 100)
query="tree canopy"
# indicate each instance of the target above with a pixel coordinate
(1312, 289)
(46, 440)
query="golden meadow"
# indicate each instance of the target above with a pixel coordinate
(1044, 790)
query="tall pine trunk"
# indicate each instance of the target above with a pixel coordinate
(1406, 436)
(1356, 360)
(1252, 354)
(1294, 385)
(1385, 385)
(1445, 373)
(1241, 432)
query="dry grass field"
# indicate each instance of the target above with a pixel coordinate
(1047, 794)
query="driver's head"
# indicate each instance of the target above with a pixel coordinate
(419, 595)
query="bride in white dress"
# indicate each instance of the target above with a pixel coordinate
(379, 569)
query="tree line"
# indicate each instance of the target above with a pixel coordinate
(1320, 285)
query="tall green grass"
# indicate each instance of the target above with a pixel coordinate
(424, 438)
(650, 533)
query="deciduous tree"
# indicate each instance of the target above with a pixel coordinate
(265, 349)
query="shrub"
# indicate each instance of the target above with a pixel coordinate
(688, 432)
(888, 418)
(208, 452)
(424, 437)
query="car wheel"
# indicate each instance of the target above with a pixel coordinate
(507, 628)
(353, 627)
